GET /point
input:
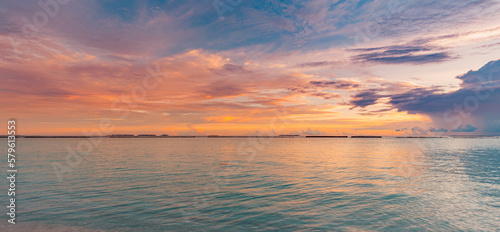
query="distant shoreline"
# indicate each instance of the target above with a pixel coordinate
(244, 136)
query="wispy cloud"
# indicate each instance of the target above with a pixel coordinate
(400, 55)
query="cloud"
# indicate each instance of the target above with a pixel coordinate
(417, 130)
(326, 96)
(411, 100)
(403, 54)
(337, 84)
(420, 130)
(475, 102)
(322, 89)
(312, 132)
(479, 89)
(432, 129)
(304, 91)
(365, 98)
(467, 128)
(413, 59)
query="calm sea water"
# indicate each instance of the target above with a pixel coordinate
(243, 184)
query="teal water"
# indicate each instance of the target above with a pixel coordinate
(243, 184)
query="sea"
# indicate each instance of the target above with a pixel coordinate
(254, 184)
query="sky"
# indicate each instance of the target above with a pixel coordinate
(241, 67)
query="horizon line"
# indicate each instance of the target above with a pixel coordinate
(246, 136)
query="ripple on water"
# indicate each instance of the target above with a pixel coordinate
(303, 185)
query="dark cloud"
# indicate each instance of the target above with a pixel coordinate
(488, 77)
(326, 96)
(420, 130)
(299, 89)
(476, 102)
(313, 92)
(338, 84)
(468, 128)
(365, 99)
(321, 88)
(416, 99)
(403, 54)
(400, 59)
(396, 49)
(414, 59)
(478, 87)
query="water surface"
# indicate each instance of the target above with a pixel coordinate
(241, 184)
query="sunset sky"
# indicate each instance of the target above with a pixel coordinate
(203, 67)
